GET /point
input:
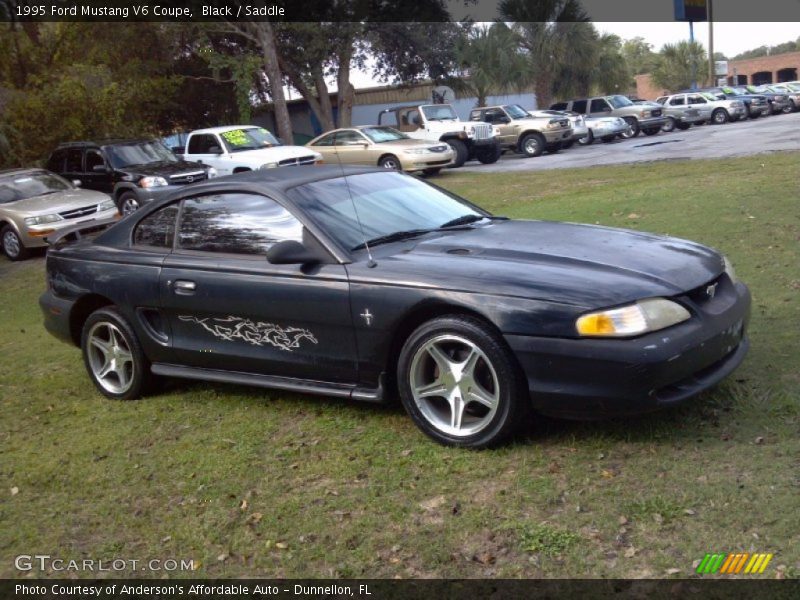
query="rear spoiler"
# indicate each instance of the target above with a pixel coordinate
(76, 232)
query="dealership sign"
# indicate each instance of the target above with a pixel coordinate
(690, 10)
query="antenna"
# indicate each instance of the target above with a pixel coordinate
(370, 261)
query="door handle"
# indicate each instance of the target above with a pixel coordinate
(184, 287)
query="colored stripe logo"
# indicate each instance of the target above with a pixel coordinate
(734, 563)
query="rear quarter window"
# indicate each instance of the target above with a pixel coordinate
(157, 230)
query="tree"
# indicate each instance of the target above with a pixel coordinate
(639, 56)
(677, 63)
(557, 41)
(611, 74)
(490, 58)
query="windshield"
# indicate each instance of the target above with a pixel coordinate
(708, 96)
(383, 134)
(515, 111)
(733, 91)
(125, 155)
(386, 203)
(439, 112)
(28, 185)
(252, 138)
(619, 101)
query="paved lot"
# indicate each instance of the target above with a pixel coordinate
(767, 134)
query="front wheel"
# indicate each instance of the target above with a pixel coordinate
(633, 128)
(587, 141)
(669, 125)
(390, 162)
(532, 145)
(490, 155)
(719, 116)
(13, 247)
(461, 152)
(461, 384)
(113, 356)
(128, 204)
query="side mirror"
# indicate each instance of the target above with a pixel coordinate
(215, 150)
(100, 169)
(77, 182)
(291, 252)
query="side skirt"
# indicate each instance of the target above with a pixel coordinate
(304, 386)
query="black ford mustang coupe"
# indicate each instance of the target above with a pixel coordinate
(357, 283)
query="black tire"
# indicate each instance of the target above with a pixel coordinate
(607, 139)
(789, 108)
(684, 126)
(754, 115)
(587, 141)
(462, 153)
(140, 378)
(431, 172)
(720, 116)
(390, 162)
(669, 125)
(651, 130)
(12, 244)
(568, 145)
(532, 144)
(490, 155)
(633, 128)
(495, 368)
(128, 203)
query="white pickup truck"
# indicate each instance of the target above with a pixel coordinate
(238, 148)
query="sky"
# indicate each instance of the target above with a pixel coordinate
(729, 38)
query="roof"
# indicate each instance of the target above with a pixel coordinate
(103, 142)
(225, 128)
(19, 170)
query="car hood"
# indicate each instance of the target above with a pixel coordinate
(165, 169)
(570, 263)
(54, 203)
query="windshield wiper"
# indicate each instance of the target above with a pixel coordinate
(391, 237)
(467, 219)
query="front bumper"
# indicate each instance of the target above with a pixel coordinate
(652, 122)
(601, 131)
(420, 162)
(597, 378)
(33, 236)
(762, 110)
(483, 142)
(557, 135)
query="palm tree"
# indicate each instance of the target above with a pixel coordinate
(676, 63)
(491, 59)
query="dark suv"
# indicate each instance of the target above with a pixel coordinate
(134, 172)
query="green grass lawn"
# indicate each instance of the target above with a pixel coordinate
(248, 482)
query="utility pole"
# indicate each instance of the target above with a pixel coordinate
(712, 72)
(694, 58)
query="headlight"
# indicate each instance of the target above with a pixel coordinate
(271, 165)
(417, 151)
(42, 219)
(212, 172)
(644, 113)
(149, 182)
(729, 269)
(644, 316)
(554, 124)
(106, 205)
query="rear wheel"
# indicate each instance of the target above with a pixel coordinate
(490, 155)
(462, 154)
(720, 116)
(390, 162)
(460, 383)
(127, 204)
(113, 356)
(587, 141)
(13, 247)
(532, 144)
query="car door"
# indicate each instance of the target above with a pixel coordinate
(96, 172)
(497, 117)
(229, 308)
(699, 103)
(73, 165)
(352, 148)
(599, 107)
(207, 148)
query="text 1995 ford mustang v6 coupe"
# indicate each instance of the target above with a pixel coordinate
(356, 282)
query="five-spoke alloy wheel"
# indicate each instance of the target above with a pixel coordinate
(460, 383)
